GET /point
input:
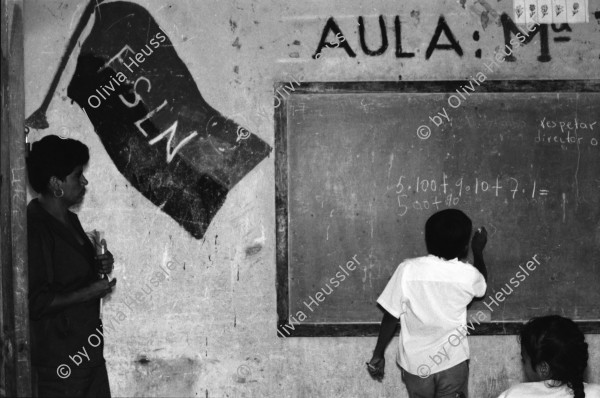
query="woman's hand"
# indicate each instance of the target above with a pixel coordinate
(97, 289)
(104, 262)
(100, 288)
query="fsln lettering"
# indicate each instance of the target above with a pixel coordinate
(125, 49)
(138, 124)
(138, 97)
(171, 131)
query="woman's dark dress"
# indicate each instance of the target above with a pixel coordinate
(59, 264)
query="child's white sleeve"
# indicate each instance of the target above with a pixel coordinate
(479, 285)
(391, 297)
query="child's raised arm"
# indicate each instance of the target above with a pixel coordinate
(477, 244)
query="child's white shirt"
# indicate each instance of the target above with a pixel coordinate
(544, 389)
(430, 296)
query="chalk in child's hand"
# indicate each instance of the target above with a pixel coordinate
(371, 367)
(478, 229)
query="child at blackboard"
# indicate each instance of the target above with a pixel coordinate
(554, 355)
(430, 295)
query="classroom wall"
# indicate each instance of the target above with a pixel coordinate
(209, 328)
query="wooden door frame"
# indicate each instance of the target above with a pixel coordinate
(15, 370)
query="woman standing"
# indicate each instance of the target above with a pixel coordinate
(64, 286)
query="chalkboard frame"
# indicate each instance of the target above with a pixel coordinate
(281, 189)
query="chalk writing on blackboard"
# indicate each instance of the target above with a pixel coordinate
(567, 124)
(449, 192)
(571, 132)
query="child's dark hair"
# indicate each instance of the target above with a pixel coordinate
(447, 234)
(558, 342)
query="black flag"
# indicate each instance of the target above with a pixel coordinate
(172, 146)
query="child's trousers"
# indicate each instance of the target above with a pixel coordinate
(449, 383)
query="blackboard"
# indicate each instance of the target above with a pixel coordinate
(360, 166)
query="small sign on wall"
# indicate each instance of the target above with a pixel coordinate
(550, 11)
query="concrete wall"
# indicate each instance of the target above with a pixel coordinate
(209, 328)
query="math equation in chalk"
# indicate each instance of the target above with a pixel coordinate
(431, 193)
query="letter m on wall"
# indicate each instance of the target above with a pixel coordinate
(509, 27)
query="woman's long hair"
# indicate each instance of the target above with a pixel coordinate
(558, 342)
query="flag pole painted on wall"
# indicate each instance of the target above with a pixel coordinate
(37, 119)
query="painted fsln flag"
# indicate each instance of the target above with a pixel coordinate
(170, 144)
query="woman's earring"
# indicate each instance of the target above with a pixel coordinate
(544, 370)
(59, 195)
